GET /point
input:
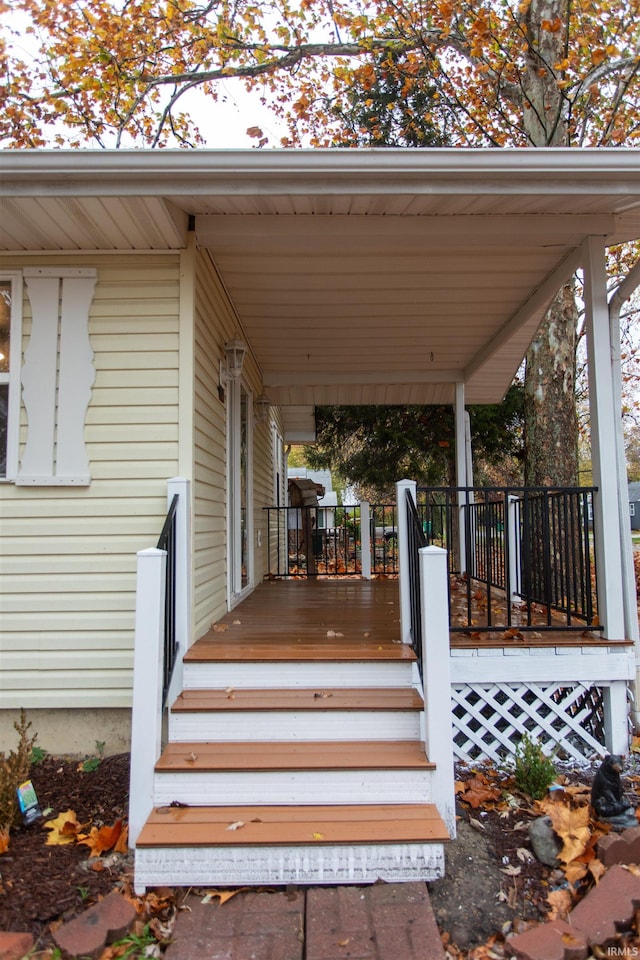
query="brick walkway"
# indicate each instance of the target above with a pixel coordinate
(382, 922)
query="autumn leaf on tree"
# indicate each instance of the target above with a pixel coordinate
(64, 829)
(102, 839)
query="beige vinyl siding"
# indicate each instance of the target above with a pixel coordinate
(68, 554)
(216, 323)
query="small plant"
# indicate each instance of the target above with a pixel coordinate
(92, 763)
(534, 771)
(138, 946)
(14, 770)
(37, 756)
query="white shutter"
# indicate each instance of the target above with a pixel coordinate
(57, 376)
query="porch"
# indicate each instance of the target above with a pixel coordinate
(566, 688)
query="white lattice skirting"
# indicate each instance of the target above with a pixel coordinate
(490, 718)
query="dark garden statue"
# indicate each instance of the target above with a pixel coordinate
(607, 797)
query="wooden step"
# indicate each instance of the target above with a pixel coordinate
(357, 823)
(187, 846)
(298, 714)
(348, 699)
(211, 649)
(306, 755)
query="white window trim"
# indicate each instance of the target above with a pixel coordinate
(13, 377)
(233, 391)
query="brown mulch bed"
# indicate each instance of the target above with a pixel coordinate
(40, 884)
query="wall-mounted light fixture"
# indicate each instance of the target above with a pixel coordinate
(234, 354)
(261, 405)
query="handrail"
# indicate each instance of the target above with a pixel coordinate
(416, 540)
(167, 542)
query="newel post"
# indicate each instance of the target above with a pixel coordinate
(365, 540)
(146, 721)
(436, 669)
(403, 556)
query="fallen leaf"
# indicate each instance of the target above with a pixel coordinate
(64, 829)
(237, 623)
(571, 823)
(192, 757)
(318, 836)
(221, 895)
(511, 871)
(323, 695)
(101, 839)
(560, 903)
(524, 855)
(235, 825)
(4, 840)
(219, 627)
(345, 942)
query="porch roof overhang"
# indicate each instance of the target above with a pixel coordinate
(357, 276)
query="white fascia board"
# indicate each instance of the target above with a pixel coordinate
(258, 172)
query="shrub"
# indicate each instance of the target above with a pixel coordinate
(534, 771)
(14, 770)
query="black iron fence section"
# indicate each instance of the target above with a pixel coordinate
(529, 548)
(416, 539)
(326, 541)
(167, 541)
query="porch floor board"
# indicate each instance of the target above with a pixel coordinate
(298, 699)
(371, 823)
(308, 620)
(294, 755)
(347, 619)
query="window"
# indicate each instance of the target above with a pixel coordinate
(632, 509)
(10, 357)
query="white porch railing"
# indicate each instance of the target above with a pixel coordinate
(147, 707)
(574, 700)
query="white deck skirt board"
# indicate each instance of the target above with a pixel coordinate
(291, 725)
(358, 863)
(319, 675)
(293, 787)
(574, 667)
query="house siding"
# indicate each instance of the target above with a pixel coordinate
(215, 323)
(68, 554)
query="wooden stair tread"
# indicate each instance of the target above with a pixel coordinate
(400, 698)
(211, 649)
(299, 755)
(375, 823)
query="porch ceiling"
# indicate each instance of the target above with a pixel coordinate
(357, 276)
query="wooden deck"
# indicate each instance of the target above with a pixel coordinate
(310, 620)
(345, 619)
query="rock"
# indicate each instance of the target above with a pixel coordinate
(545, 843)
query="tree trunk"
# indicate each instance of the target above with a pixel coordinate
(551, 426)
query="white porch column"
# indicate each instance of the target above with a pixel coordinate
(403, 556)
(605, 420)
(461, 473)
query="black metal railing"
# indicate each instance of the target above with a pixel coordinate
(415, 540)
(167, 541)
(326, 541)
(530, 548)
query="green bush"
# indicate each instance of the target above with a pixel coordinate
(534, 771)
